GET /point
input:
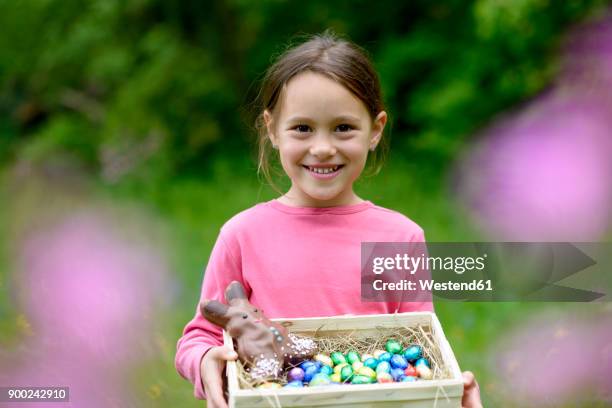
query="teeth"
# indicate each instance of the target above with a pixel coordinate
(320, 170)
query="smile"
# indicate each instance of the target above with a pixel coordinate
(324, 172)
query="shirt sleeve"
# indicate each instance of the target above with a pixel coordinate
(199, 334)
(423, 301)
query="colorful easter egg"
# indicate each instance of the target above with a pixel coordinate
(422, 361)
(384, 378)
(424, 372)
(408, 378)
(367, 371)
(320, 379)
(352, 356)
(337, 358)
(398, 361)
(318, 364)
(304, 364)
(371, 362)
(357, 365)
(339, 367)
(393, 346)
(386, 356)
(335, 378)
(396, 373)
(364, 357)
(361, 379)
(309, 372)
(294, 384)
(325, 360)
(296, 374)
(269, 385)
(346, 373)
(413, 353)
(383, 367)
(411, 371)
(326, 370)
(377, 353)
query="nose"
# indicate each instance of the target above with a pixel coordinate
(322, 146)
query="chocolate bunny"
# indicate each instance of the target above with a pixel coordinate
(264, 346)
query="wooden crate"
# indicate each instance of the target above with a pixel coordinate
(429, 393)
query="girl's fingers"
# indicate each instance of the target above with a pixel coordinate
(214, 394)
(471, 391)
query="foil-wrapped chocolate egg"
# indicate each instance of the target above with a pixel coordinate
(377, 353)
(357, 365)
(310, 372)
(338, 358)
(413, 353)
(324, 360)
(295, 374)
(339, 367)
(408, 378)
(422, 361)
(398, 361)
(411, 371)
(383, 367)
(367, 371)
(294, 384)
(361, 379)
(386, 356)
(320, 379)
(335, 378)
(326, 370)
(371, 362)
(346, 373)
(393, 346)
(305, 364)
(384, 378)
(352, 356)
(396, 373)
(364, 357)
(424, 372)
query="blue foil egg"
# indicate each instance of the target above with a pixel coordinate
(325, 369)
(305, 364)
(310, 372)
(383, 367)
(385, 356)
(408, 378)
(294, 384)
(422, 361)
(413, 353)
(398, 361)
(397, 373)
(371, 362)
(320, 379)
(295, 374)
(318, 364)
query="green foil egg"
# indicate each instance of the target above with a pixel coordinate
(320, 379)
(367, 371)
(352, 356)
(346, 373)
(361, 379)
(393, 346)
(337, 358)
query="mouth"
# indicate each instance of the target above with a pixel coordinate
(324, 170)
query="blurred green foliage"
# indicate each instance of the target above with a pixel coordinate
(151, 101)
(142, 81)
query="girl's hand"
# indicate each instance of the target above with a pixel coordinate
(211, 371)
(471, 391)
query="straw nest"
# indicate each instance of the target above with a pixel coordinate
(345, 341)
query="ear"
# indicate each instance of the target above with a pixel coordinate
(378, 125)
(269, 121)
(235, 291)
(215, 312)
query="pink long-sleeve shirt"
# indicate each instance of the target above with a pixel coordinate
(293, 262)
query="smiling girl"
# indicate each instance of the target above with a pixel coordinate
(299, 255)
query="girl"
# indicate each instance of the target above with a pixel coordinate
(299, 255)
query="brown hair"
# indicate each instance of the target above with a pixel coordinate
(340, 60)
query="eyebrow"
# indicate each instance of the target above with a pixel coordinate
(348, 118)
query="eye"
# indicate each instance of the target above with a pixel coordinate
(255, 310)
(244, 316)
(344, 128)
(302, 128)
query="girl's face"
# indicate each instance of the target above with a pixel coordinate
(323, 133)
